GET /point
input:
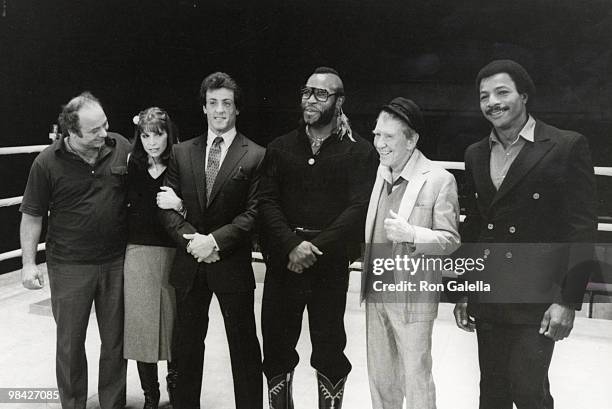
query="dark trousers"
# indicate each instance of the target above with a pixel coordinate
(73, 290)
(191, 326)
(514, 361)
(284, 300)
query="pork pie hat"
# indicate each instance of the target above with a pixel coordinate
(406, 110)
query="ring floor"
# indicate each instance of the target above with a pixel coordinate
(580, 371)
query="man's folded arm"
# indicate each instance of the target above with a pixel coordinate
(175, 223)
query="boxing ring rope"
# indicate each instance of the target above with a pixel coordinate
(256, 256)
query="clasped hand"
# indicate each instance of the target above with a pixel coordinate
(303, 256)
(202, 247)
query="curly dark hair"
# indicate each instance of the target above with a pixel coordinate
(154, 120)
(218, 80)
(69, 117)
(518, 74)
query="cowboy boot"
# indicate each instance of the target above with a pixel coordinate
(148, 380)
(280, 391)
(171, 379)
(330, 395)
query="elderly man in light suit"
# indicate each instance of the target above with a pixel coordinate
(413, 212)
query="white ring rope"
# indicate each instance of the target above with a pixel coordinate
(13, 201)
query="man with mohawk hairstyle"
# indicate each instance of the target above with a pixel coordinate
(313, 197)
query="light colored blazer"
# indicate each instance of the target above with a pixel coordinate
(431, 206)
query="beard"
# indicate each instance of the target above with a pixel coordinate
(324, 118)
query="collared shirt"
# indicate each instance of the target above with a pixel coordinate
(326, 191)
(502, 158)
(86, 204)
(228, 138)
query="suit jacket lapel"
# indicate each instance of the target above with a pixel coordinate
(198, 156)
(373, 206)
(416, 179)
(410, 195)
(529, 156)
(235, 152)
(481, 171)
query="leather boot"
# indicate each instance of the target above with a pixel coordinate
(280, 391)
(171, 379)
(330, 395)
(148, 380)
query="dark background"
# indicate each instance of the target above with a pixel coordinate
(135, 54)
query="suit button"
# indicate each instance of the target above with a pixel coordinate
(476, 195)
(512, 229)
(509, 254)
(536, 196)
(490, 226)
(487, 252)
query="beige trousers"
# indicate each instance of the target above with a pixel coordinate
(399, 358)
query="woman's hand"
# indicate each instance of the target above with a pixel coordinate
(167, 199)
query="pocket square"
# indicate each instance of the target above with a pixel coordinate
(240, 175)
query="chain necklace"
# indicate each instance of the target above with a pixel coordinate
(315, 141)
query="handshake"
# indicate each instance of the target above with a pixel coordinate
(303, 256)
(202, 247)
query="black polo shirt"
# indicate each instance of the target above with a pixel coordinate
(86, 204)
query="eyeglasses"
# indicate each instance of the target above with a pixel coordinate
(320, 94)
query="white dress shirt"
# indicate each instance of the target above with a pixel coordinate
(228, 138)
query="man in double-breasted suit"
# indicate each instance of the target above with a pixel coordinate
(531, 214)
(216, 174)
(413, 213)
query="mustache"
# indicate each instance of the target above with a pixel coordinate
(311, 106)
(489, 111)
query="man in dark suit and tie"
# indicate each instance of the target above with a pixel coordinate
(216, 174)
(531, 214)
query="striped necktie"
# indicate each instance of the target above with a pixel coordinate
(212, 167)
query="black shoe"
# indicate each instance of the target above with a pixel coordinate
(148, 380)
(171, 384)
(330, 395)
(151, 400)
(280, 391)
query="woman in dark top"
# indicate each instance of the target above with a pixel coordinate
(149, 298)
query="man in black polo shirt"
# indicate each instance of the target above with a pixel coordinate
(314, 192)
(79, 181)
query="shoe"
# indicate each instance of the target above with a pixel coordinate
(148, 380)
(171, 379)
(280, 391)
(330, 395)
(151, 400)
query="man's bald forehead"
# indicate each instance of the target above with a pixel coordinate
(327, 80)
